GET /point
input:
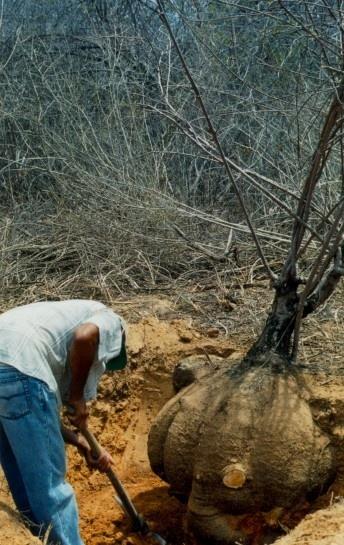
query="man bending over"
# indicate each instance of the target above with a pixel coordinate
(52, 353)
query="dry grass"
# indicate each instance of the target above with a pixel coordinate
(92, 182)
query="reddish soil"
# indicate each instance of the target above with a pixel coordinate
(130, 399)
(121, 421)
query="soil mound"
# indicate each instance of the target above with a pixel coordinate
(12, 530)
(325, 527)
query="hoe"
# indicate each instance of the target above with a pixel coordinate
(138, 523)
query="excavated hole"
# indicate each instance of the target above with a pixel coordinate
(121, 418)
(102, 521)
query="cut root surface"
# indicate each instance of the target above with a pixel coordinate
(121, 417)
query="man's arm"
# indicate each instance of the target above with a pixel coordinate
(82, 354)
(70, 437)
(102, 463)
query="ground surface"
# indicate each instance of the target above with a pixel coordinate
(162, 331)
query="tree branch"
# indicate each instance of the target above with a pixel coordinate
(327, 285)
(212, 131)
(320, 157)
(202, 249)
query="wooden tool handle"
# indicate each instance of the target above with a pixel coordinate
(139, 524)
(96, 449)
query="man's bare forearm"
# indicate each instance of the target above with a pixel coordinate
(82, 354)
(69, 436)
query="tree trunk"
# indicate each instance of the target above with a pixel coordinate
(279, 326)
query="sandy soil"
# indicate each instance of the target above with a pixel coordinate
(11, 529)
(325, 527)
(129, 401)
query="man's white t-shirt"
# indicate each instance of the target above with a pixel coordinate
(35, 339)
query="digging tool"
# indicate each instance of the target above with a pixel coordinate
(138, 522)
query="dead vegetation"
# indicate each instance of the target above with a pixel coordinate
(98, 180)
(101, 197)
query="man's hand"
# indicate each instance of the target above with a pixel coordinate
(78, 413)
(102, 463)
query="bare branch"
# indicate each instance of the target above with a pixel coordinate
(317, 273)
(229, 242)
(327, 285)
(215, 137)
(332, 123)
(311, 31)
(202, 248)
(325, 220)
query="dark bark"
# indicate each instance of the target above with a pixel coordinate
(327, 284)
(279, 327)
